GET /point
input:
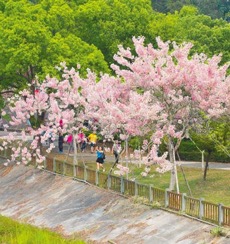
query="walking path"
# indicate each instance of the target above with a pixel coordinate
(88, 157)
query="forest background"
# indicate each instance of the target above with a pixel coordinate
(35, 36)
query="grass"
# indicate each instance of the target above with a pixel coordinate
(12, 232)
(215, 189)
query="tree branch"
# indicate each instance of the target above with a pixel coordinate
(5, 92)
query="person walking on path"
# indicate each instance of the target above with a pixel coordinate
(60, 142)
(93, 141)
(60, 137)
(70, 142)
(100, 158)
(82, 141)
(116, 150)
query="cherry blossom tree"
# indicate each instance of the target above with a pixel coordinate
(59, 100)
(185, 87)
(120, 110)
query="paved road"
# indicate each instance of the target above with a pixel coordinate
(212, 165)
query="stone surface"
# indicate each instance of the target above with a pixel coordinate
(60, 203)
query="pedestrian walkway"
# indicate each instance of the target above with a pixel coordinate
(90, 158)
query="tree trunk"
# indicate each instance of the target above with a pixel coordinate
(75, 161)
(174, 178)
(126, 148)
(126, 155)
(206, 165)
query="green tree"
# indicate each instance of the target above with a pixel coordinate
(205, 143)
(106, 24)
(214, 139)
(173, 5)
(213, 8)
(34, 38)
(160, 5)
(220, 134)
(208, 36)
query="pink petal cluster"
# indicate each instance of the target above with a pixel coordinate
(122, 170)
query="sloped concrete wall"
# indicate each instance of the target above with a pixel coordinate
(59, 203)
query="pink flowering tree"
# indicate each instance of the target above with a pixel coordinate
(120, 110)
(58, 101)
(187, 89)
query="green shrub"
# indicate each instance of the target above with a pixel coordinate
(189, 152)
(217, 231)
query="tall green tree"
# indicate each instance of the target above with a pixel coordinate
(208, 36)
(106, 24)
(160, 5)
(176, 5)
(213, 8)
(34, 38)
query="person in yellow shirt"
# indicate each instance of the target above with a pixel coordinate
(92, 141)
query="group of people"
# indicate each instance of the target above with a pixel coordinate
(82, 141)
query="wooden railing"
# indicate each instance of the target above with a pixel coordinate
(198, 208)
(158, 196)
(129, 187)
(192, 206)
(226, 216)
(174, 201)
(210, 212)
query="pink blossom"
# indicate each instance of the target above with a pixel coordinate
(144, 174)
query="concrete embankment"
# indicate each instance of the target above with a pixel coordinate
(46, 200)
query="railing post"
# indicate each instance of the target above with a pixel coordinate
(220, 214)
(74, 171)
(64, 168)
(97, 178)
(122, 185)
(45, 164)
(201, 205)
(35, 163)
(150, 194)
(136, 189)
(109, 182)
(54, 165)
(5, 153)
(154, 193)
(183, 202)
(166, 197)
(85, 174)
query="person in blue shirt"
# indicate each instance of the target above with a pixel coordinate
(100, 158)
